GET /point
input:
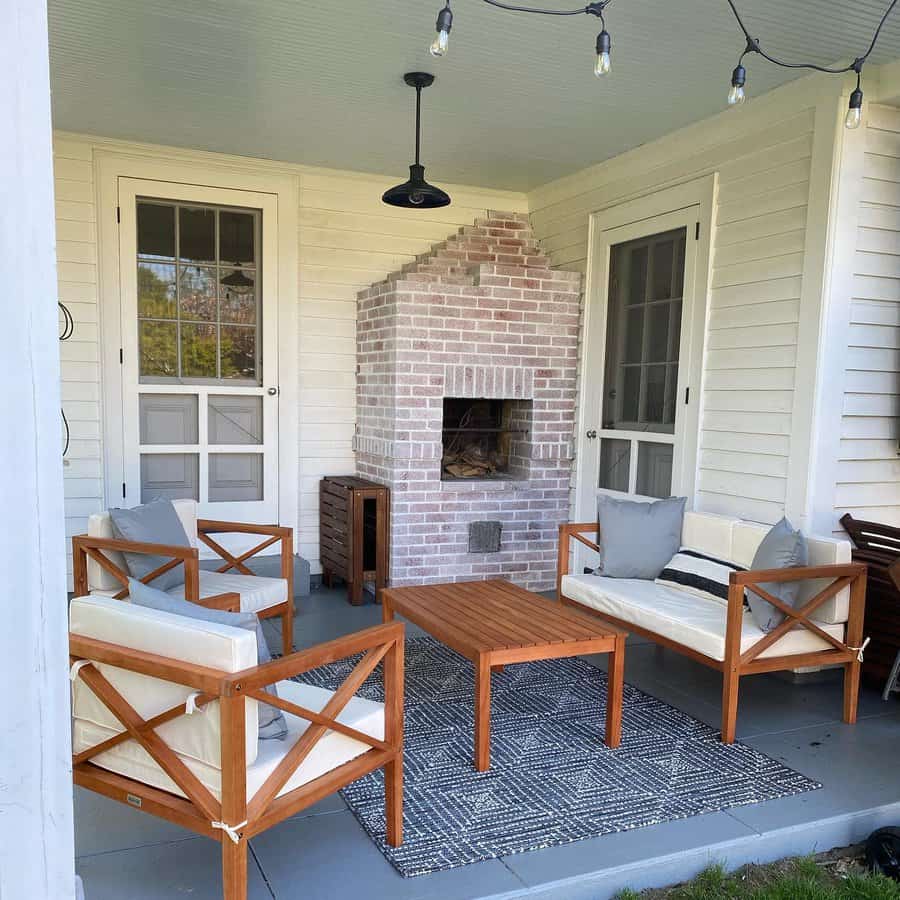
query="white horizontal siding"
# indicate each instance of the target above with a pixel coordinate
(868, 471)
(76, 251)
(347, 239)
(754, 302)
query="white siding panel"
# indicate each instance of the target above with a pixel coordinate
(868, 480)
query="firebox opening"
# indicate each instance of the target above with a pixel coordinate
(483, 438)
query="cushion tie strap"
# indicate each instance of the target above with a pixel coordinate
(230, 830)
(77, 666)
(190, 705)
(860, 650)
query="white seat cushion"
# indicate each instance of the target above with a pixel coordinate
(257, 593)
(694, 621)
(221, 647)
(331, 751)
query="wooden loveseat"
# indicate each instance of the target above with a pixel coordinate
(826, 628)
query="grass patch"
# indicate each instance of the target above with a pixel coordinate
(831, 876)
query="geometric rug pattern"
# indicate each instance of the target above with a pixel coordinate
(552, 780)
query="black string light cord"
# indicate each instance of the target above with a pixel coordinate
(67, 331)
(739, 75)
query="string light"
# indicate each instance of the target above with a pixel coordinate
(443, 25)
(736, 92)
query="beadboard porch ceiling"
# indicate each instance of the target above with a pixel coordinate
(515, 103)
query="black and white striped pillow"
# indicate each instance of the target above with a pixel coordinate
(699, 574)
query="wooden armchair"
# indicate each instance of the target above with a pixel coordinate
(181, 691)
(99, 566)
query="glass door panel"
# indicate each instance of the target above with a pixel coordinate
(640, 378)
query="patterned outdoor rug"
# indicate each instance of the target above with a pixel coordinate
(552, 780)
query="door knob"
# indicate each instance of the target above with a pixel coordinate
(592, 433)
(272, 392)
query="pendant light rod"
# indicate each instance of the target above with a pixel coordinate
(418, 119)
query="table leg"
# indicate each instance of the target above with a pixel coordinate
(483, 713)
(387, 608)
(615, 681)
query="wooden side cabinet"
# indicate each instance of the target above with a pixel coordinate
(354, 533)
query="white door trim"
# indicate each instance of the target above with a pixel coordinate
(698, 196)
(109, 166)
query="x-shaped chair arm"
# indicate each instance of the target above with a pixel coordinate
(374, 638)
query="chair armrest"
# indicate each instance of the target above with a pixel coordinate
(798, 573)
(313, 657)
(176, 551)
(567, 531)
(230, 601)
(214, 526)
(201, 678)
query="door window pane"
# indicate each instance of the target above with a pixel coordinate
(238, 358)
(654, 469)
(197, 234)
(643, 332)
(198, 351)
(237, 297)
(213, 277)
(663, 261)
(615, 463)
(170, 475)
(169, 419)
(235, 476)
(235, 420)
(236, 238)
(197, 293)
(156, 231)
(157, 294)
(158, 348)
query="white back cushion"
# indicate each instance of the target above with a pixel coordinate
(196, 738)
(736, 541)
(100, 525)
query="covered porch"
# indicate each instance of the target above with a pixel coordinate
(636, 286)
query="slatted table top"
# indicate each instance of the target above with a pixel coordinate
(496, 617)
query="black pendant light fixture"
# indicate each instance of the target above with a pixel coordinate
(417, 193)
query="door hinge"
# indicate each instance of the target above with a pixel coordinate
(697, 232)
(121, 356)
(687, 396)
(123, 490)
(118, 213)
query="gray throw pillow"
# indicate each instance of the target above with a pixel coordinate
(638, 539)
(272, 724)
(153, 523)
(781, 548)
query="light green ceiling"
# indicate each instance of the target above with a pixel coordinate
(515, 103)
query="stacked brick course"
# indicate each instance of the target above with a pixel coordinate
(481, 315)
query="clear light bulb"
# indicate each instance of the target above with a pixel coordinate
(440, 43)
(854, 117)
(602, 66)
(736, 95)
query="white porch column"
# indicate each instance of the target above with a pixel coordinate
(36, 847)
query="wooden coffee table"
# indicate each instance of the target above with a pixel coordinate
(494, 623)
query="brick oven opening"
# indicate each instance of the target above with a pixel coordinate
(484, 438)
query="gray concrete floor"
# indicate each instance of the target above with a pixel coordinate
(323, 852)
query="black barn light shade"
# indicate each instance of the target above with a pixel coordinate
(417, 193)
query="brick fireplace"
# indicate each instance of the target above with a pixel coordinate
(466, 405)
